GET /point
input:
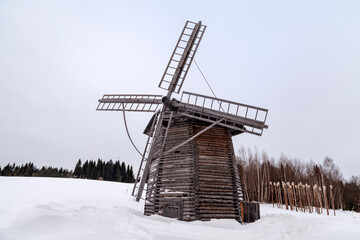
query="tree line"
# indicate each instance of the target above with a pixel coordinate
(258, 170)
(109, 171)
(30, 170)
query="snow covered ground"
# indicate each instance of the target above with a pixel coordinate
(52, 208)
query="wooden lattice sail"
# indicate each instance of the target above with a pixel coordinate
(188, 170)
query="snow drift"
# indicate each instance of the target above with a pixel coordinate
(54, 208)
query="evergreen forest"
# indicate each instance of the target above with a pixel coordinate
(109, 171)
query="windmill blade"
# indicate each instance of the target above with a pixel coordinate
(236, 116)
(129, 102)
(182, 57)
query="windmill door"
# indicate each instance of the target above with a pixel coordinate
(173, 208)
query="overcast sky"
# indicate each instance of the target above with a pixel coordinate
(299, 59)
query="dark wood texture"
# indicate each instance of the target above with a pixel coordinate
(200, 174)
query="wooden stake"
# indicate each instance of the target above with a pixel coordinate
(280, 197)
(332, 199)
(272, 195)
(307, 197)
(303, 191)
(304, 198)
(320, 200)
(298, 188)
(285, 195)
(294, 194)
(313, 202)
(276, 195)
(325, 200)
(315, 198)
(310, 202)
(290, 195)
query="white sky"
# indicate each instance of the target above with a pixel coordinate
(299, 59)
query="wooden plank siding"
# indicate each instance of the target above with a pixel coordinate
(201, 174)
(217, 175)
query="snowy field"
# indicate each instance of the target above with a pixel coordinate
(52, 208)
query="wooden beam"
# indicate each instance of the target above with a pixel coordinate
(196, 135)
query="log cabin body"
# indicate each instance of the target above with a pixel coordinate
(198, 181)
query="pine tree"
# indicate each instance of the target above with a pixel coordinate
(109, 168)
(131, 175)
(93, 170)
(5, 171)
(77, 170)
(128, 174)
(117, 175)
(123, 172)
(98, 169)
(89, 170)
(84, 169)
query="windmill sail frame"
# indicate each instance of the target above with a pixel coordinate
(182, 57)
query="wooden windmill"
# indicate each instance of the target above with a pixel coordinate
(188, 166)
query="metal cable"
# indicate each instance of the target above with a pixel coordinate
(207, 82)
(127, 131)
(204, 78)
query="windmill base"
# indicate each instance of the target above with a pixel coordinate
(198, 181)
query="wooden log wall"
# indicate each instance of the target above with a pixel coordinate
(175, 176)
(202, 173)
(218, 191)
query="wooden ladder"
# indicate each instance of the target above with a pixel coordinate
(138, 187)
